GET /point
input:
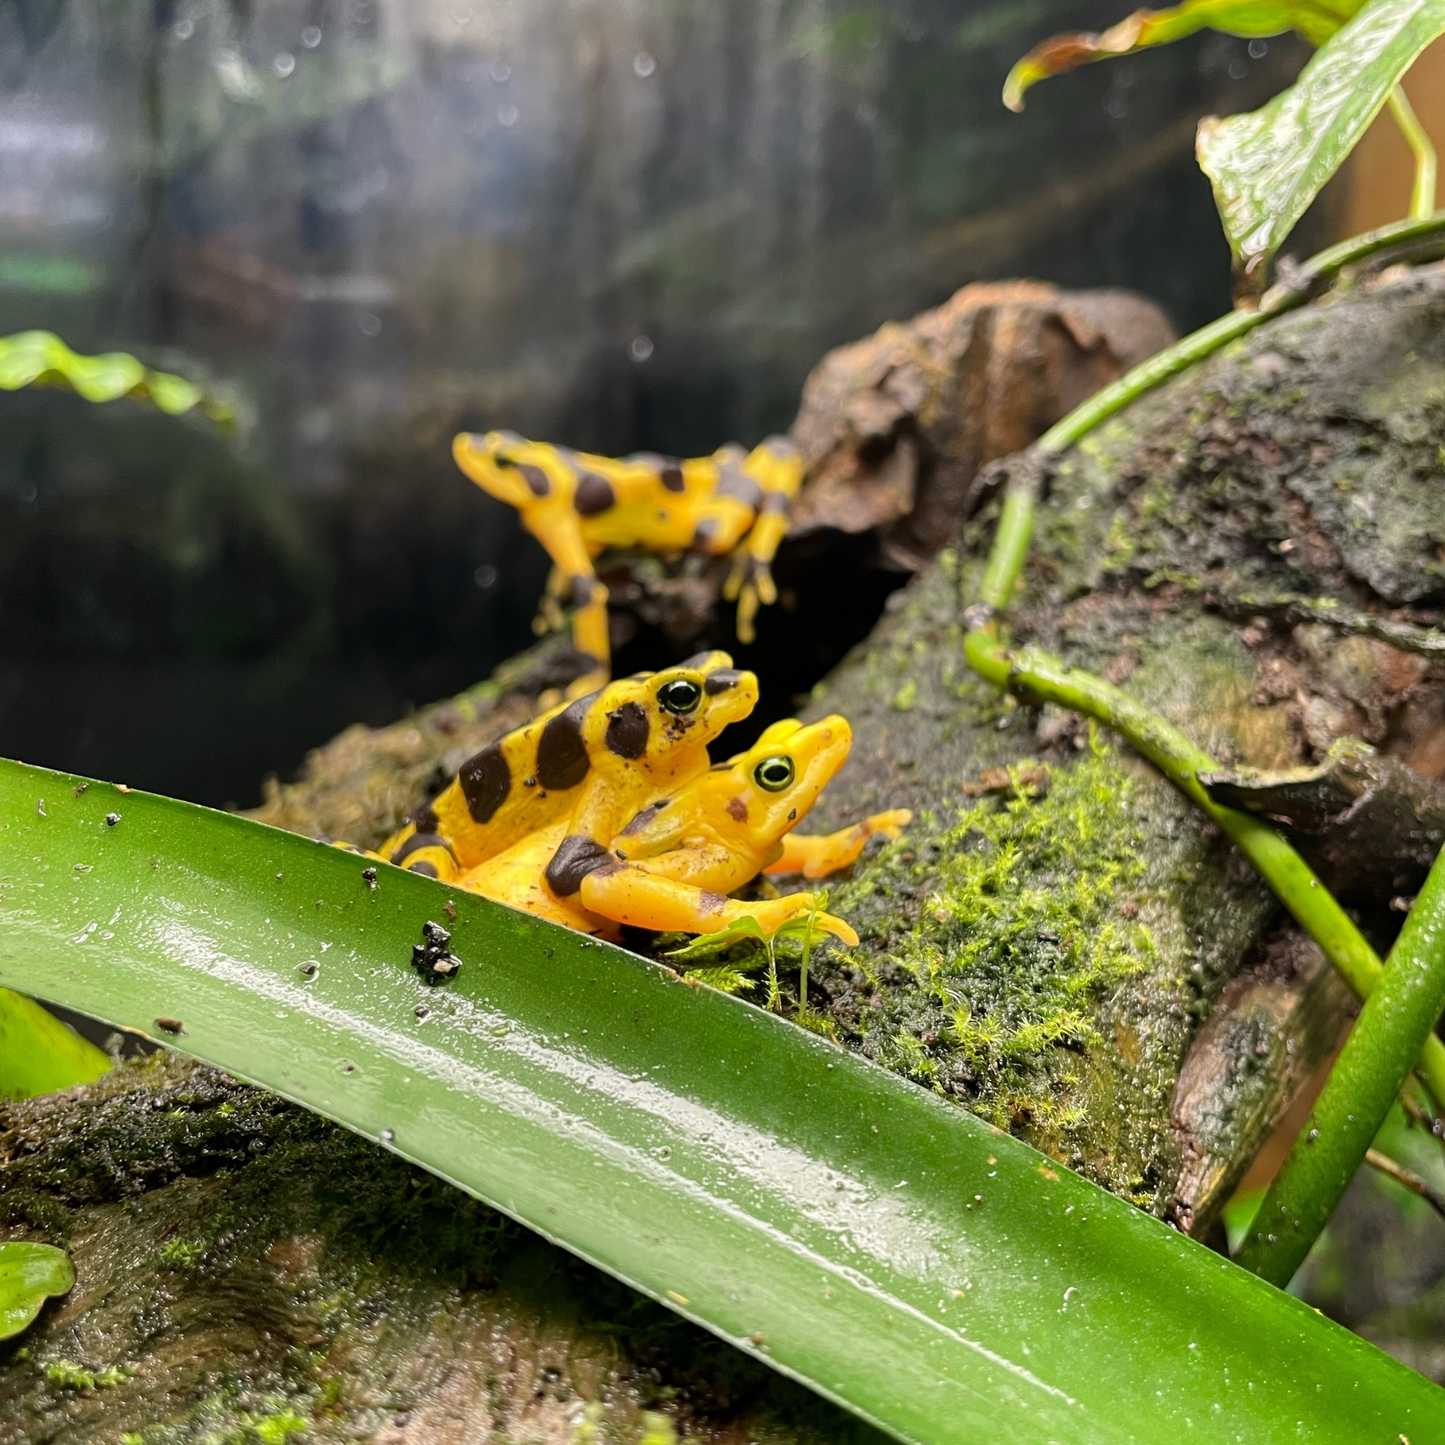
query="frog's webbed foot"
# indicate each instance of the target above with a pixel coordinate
(750, 584)
(817, 855)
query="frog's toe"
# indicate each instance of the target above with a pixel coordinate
(838, 927)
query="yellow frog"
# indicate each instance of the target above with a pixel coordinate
(586, 766)
(673, 865)
(576, 504)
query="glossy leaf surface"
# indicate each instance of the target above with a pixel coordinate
(860, 1234)
(38, 1053)
(40, 358)
(1316, 20)
(1267, 165)
(29, 1275)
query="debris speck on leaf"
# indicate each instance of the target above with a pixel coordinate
(433, 959)
(171, 1026)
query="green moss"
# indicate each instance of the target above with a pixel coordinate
(988, 984)
(183, 1253)
(67, 1375)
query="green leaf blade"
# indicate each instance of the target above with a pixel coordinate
(1267, 165)
(38, 1053)
(30, 1274)
(40, 358)
(1316, 20)
(863, 1236)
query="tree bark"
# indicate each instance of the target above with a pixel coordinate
(1060, 943)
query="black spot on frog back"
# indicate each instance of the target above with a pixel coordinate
(562, 760)
(594, 494)
(485, 781)
(627, 730)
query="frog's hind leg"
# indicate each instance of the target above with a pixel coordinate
(775, 468)
(817, 855)
(628, 893)
(426, 853)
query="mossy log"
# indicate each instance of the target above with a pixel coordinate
(1059, 943)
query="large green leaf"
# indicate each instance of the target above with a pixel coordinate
(1267, 165)
(1316, 20)
(862, 1235)
(29, 1275)
(38, 1053)
(40, 358)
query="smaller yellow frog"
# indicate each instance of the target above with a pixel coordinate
(673, 865)
(577, 504)
(587, 765)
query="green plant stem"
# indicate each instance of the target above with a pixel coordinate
(1422, 196)
(1412, 1181)
(1037, 677)
(1397, 1019)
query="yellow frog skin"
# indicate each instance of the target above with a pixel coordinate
(588, 765)
(576, 504)
(677, 859)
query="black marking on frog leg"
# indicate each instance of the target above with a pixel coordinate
(627, 730)
(594, 494)
(733, 481)
(583, 590)
(575, 858)
(433, 959)
(417, 842)
(704, 532)
(425, 819)
(775, 502)
(562, 760)
(643, 818)
(534, 477)
(485, 781)
(427, 870)
(721, 680)
(671, 475)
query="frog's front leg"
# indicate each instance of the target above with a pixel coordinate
(541, 483)
(775, 469)
(628, 893)
(817, 855)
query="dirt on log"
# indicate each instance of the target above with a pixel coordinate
(1060, 943)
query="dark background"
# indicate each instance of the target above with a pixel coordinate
(620, 224)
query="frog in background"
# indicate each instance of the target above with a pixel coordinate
(577, 504)
(672, 866)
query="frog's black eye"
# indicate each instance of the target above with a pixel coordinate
(680, 696)
(774, 774)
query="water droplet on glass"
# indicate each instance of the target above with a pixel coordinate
(643, 64)
(661, 1152)
(501, 72)
(485, 577)
(1257, 51)
(284, 64)
(640, 348)
(311, 36)
(370, 324)
(183, 29)
(507, 114)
